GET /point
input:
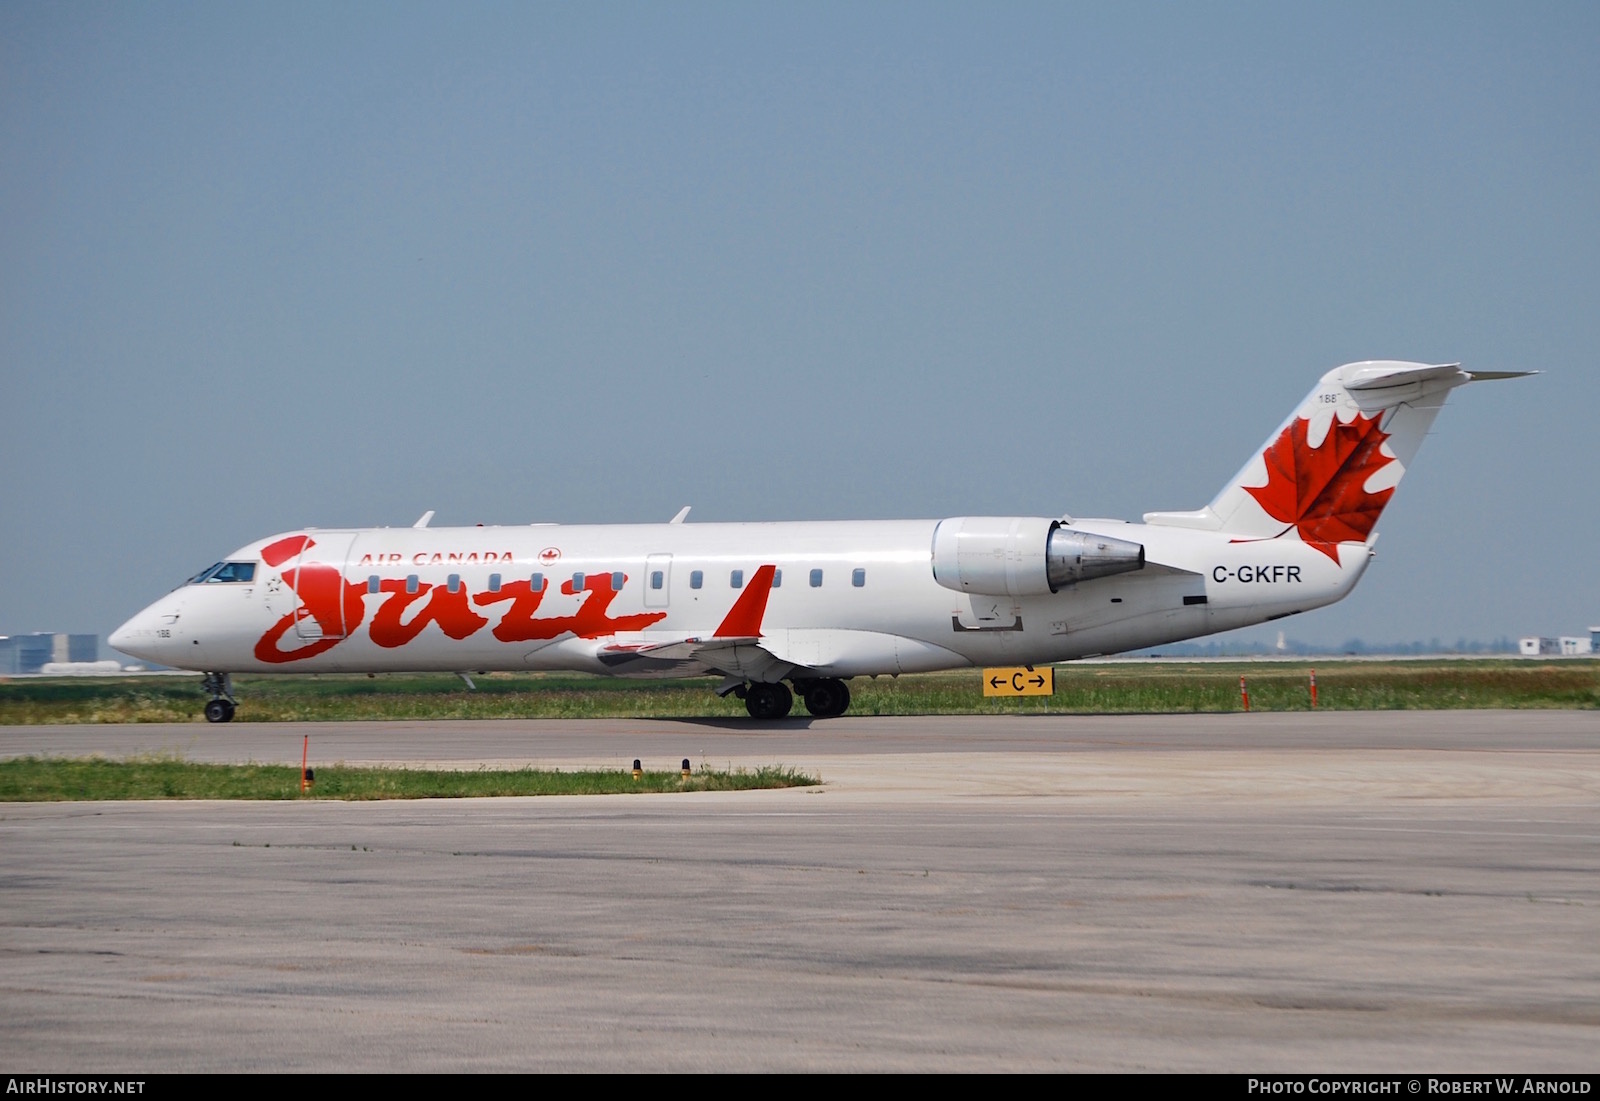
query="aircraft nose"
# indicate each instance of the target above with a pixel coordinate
(123, 636)
(126, 638)
(142, 636)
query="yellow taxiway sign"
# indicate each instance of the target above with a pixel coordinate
(1019, 680)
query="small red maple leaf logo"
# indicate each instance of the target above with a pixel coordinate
(1318, 490)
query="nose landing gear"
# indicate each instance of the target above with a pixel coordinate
(219, 708)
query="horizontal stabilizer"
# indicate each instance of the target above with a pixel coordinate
(1383, 374)
(1491, 376)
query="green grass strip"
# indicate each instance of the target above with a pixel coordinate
(61, 779)
(1112, 688)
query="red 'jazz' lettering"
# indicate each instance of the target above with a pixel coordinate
(448, 609)
(517, 624)
(590, 621)
(324, 597)
(338, 608)
(267, 645)
(279, 552)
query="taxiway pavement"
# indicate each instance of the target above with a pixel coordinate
(1400, 891)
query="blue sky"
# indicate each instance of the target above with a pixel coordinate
(266, 266)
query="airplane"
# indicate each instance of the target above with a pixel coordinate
(815, 604)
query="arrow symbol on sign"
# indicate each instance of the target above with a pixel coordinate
(995, 682)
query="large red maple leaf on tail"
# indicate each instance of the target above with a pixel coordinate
(1319, 489)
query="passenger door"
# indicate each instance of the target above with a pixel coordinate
(657, 580)
(319, 584)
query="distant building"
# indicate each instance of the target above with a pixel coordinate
(31, 653)
(1566, 646)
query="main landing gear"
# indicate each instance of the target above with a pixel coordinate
(219, 708)
(824, 698)
(768, 701)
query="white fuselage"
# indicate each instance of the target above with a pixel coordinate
(817, 603)
(854, 598)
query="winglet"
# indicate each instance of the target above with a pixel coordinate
(744, 618)
(427, 517)
(683, 514)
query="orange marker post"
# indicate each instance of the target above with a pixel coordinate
(305, 750)
(1313, 689)
(1244, 694)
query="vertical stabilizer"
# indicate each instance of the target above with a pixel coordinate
(1326, 474)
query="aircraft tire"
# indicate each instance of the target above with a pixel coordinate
(768, 701)
(219, 711)
(827, 699)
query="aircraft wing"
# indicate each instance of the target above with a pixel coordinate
(735, 655)
(735, 648)
(684, 649)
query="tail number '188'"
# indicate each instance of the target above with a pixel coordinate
(1248, 574)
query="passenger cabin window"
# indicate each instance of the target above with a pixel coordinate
(374, 584)
(494, 582)
(536, 583)
(577, 582)
(696, 578)
(858, 578)
(411, 583)
(816, 579)
(657, 579)
(453, 582)
(777, 578)
(225, 572)
(736, 579)
(616, 582)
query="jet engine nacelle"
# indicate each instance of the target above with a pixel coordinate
(1024, 555)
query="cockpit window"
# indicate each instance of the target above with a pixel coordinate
(225, 572)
